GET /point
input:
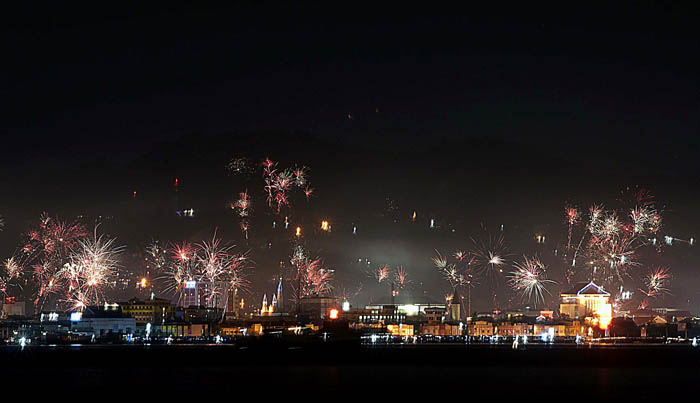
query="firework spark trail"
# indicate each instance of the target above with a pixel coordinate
(655, 282)
(457, 275)
(92, 268)
(382, 273)
(347, 295)
(307, 192)
(156, 257)
(12, 268)
(45, 250)
(181, 268)
(400, 278)
(210, 262)
(529, 279)
(220, 268)
(242, 206)
(612, 239)
(277, 184)
(572, 218)
(489, 256)
(309, 277)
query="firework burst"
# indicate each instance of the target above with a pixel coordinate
(656, 282)
(211, 262)
(309, 277)
(489, 256)
(458, 274)
(609, 246)
(400, 278)
(92, 268)
(529, 279)
(382, 273)
(46, 249)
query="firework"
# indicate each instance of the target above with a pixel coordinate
(309, 277)
(529, 279)
(11, 271)
(608, 249)
(220, 268)
(12, 268)
(46, 249)
(240, 166)
(572, 218)
(277, 184)
(382, 273)
(458, 275)
(242, 206)
(181, 268)
(400, 278)
(92, 268)
(656, 281)
(211, 262)
(346, 294)
(489, 255)
(156, 256)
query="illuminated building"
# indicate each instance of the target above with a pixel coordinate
(436, 325)
(374, 317)
(587, 301)
(560, 329)
(480, 328)
(278, 299)
(267, 309)
(102, 321)
(514, 329)
(400, 329)
(153, 310)
(234, 303)
(190, 294)
(187, 330)
(408, 305)
(195, 294)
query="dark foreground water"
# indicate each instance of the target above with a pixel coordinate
(494, 372)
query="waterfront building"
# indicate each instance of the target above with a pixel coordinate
(187, 330)
(441, 329)
(409, 305)
(561, 329)
(512, 329)
(480, 327)
(372, 318)
(400, 329)
(102, 321)
(587, 301)
(153, 310)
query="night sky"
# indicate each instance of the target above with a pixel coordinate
(498, 117)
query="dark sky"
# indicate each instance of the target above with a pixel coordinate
(497, 116)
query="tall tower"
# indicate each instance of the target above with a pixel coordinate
(264, 310)
(279, 295)
(176, 187)
(454, 311)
